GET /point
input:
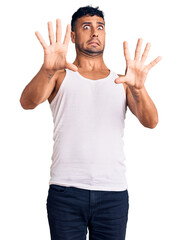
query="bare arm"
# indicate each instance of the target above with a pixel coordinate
(42, 85)
(138, 99)
(142, 106)
(39, 89)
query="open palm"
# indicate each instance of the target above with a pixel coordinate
(55, 53)
(136, 70)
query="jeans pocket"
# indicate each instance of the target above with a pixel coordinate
(58, 188)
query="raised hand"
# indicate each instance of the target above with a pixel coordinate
(136, 70)
(55, 53)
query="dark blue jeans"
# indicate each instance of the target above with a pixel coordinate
(72, 210)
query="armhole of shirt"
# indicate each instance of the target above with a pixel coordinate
(59, 90)
(121, 85)
(124, 90)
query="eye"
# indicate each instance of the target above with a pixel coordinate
(86, 27)
(100, 27)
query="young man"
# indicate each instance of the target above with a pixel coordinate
(88, 187)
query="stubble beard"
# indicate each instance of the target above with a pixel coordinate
(89, 52)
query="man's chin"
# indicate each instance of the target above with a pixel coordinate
(94, 50)
(91, 51)
(94, 53)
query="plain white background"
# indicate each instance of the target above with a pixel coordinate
(153, 155)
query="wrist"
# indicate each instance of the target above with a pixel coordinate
(48, 71)
(137, 93)
(136, 90)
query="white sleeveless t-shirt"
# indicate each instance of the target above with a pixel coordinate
(88, 118)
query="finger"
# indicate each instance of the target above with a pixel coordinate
(120, 80)
(138, 49)
(126, 51)
(153, 63)
(51, 34)
(42, 41)
(145, 53)
(58, 31)
(67, 35)
(71, 66)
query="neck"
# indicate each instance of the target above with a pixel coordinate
(90, 63)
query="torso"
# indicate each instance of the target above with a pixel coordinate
(91, 75)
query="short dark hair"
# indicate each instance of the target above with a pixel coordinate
(82, 11)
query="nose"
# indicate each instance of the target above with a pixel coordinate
(94, 33)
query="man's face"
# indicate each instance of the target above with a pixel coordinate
(89, 35)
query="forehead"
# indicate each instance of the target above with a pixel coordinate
(91, 19)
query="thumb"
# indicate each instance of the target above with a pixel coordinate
(120, 79)
(72, 67)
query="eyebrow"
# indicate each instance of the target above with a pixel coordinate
(91, 22)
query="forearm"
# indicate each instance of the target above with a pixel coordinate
(145, 108)
(37, 88)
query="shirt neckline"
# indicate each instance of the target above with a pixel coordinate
(92, 80)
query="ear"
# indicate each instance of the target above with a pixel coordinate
(73, 36)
